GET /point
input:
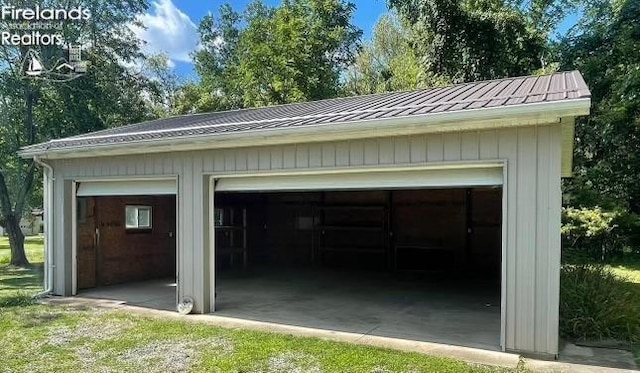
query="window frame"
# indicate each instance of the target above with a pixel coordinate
(138, 228)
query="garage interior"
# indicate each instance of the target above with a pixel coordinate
(418, 264)
(126, 249)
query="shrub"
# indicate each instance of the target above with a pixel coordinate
(595, 234)
(595, 304)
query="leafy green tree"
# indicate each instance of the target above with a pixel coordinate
(166, 84)
(605, 47)
(273, 55)
(468, 40)
(388, 62)
(38, 109)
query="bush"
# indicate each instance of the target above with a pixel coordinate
(595, 304)
(595, 234)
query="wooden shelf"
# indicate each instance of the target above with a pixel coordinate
(351, 207)
(348, 228)
(354, 250)
(233, 247)
(230, 227)
(340, 228)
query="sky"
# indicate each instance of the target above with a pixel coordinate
(172, 26)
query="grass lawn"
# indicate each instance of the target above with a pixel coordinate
(33, 245)
(42, 338)
(628, 271)
(45, 338)
(20, 283)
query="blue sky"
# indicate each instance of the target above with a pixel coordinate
(172, 26)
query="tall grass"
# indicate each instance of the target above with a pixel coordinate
(596, 304)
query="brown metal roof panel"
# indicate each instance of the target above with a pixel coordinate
(557, 88)
(472, 96)
(428, 94)
(520, 95)
(425, 109)
(539, 90)
(579, 83)
(449, 94)
(489, 95)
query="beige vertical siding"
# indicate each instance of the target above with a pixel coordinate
(532, 156)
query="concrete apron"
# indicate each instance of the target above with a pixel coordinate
(466, 354)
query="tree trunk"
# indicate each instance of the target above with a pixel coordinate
(13, 214)
(16, 240)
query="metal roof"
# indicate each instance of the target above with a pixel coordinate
(560, 86)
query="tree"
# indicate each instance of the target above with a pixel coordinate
(34, 110)
(165, 82)
(605, 47)
(388, 62)
(470, 40)
(274, 55)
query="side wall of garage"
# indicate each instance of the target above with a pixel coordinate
(532, 188)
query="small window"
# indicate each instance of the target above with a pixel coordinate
(138, 217)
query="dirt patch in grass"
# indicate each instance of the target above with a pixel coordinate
(92, 329)
(156, 356)
(40, 317)
(171, 355)
(291, 362)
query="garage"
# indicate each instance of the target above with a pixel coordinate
(330, 251)
(126, 241)
(430, 215)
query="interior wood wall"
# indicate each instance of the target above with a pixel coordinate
(124, 255)
(441, 230)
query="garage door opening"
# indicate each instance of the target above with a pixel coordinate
(126, 248)
(419, 264)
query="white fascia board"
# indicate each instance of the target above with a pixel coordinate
(462, 120)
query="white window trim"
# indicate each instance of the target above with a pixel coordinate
(138, 208)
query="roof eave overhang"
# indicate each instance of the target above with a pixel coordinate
(449, 121)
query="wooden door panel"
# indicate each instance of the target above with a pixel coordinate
(86, 244)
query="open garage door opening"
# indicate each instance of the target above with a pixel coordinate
(126, 246)
(411, 263)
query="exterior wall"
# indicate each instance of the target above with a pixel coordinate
(532, 217)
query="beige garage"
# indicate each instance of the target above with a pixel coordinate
(428, 190)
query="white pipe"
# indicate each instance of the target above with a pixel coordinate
(48, 243)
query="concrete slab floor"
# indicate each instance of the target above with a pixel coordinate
(369, 304)
(365, 303)
(363, 308)
(157, 294)
(597, 356)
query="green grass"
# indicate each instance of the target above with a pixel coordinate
(628, 268)
(46, 338)
(33, 246)
(40, 338)
(18, 285)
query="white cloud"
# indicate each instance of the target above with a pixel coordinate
(168, 30)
